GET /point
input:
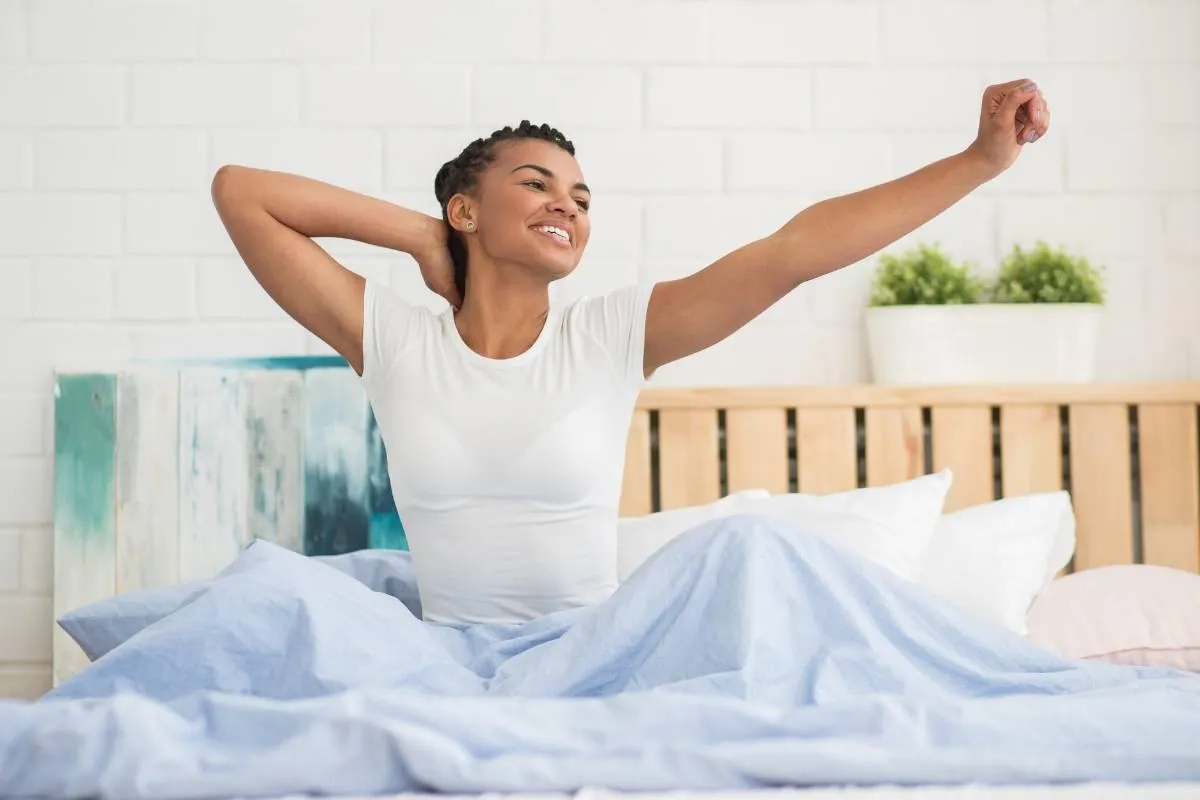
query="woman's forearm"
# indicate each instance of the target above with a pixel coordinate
(317, 209)
(843, 230)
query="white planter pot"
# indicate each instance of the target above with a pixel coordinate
(1003, 343)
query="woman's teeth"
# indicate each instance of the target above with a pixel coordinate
(553, 231)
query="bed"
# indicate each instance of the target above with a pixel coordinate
(165, 473)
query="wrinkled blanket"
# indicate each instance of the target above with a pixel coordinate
(745, 653)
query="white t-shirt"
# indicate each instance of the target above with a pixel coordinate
(507, 472)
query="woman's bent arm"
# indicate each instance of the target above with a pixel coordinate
(273, 217)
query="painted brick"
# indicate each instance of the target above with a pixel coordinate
(216, 94)
(37, 558)
(702, 229)
(125, 159)
(820, 164)
(70, 96)
(217, 340)
(22, 424)
(284, 30)
(954, 32)
(24, 681)
(858, 99)
(1144, 159)
(420, 96)
(616, 229)
(650, 161)
(840, 297)
(733, 98)
(1123, 31)
(174, 223)
(154, 289)
(1182, 219)
(760, 354)
(50, 346)
(416, 31)
(84, 30)
(26, 488)
(816, 32)
(72, 289)
(649, 32)
(966, 231)
(10, 560)
(225, 289)
(16, 299)
(36, 223)
(16, 159)
(28, 624)
(13, 44)
(566, 96)
(1039, 170)
(348, 157)
(412, 156)
(1099, 226)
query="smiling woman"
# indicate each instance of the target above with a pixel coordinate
(505, 416)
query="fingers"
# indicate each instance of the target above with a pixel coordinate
(1034, 119)
(1015, 97)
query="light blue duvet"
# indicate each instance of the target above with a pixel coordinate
(743, 654)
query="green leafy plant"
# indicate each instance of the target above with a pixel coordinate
(1046, 275)
(924, 275)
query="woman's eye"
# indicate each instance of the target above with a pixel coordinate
(537, 184)
(584, 204)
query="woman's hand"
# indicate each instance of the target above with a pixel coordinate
(1012, 115)
(437, 267)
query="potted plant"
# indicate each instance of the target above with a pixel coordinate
(932, 321)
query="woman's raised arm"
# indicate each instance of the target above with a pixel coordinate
(273, 217)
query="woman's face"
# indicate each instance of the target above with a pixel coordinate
(531, 208)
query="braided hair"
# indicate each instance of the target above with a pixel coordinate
(461, 174)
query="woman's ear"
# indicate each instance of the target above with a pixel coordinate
(460, 214)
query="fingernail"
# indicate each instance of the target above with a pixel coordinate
(1031, 138)
(1029, 87)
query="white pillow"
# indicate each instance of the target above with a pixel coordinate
(995, 558)
(890, 525)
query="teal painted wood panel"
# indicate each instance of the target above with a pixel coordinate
(147, 446)
(214, 471)
(84, 503)
(275, 436)
(336, 519)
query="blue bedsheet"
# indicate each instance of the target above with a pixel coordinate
(743, 654)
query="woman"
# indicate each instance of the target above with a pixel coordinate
(505, 417)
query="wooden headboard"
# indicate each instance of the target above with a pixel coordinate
(163, 474)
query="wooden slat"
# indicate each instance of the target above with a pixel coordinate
(1030, 450)
(85, 552)
(335, 463)
(688, 458)
(962, 441)
(826, 450)
(1170, 507)
(1101, 485)
(756, 449)
(213, 489)
(275, 432)
(868, 395)
(636, 499)
(895, 445)
(147, 454)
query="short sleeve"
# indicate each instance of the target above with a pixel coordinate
(387, 321)
(617, 321)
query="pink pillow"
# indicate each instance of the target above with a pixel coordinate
(1131, 614)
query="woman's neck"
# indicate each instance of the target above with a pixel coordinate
(501, 316)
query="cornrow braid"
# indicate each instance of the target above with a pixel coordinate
(461, 174)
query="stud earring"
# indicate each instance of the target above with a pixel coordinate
(470, 226)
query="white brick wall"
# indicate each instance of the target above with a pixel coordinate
(700, 125)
